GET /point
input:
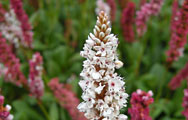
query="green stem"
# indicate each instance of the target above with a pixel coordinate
(140, 57)
(43, 109)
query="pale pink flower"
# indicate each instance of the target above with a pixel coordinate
(143, 15)
(35, 83)
(11, 63)
(21, 15)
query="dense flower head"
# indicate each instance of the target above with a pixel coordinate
(14, 25)
(147, 10)
(103, 90)
(66, 98)
(140, 102)
(36, 84)
(185, 104)
(17, 6)
(177, 79)
(102, 6)
(113, 8)
(11, 63)
(5, 111)
(179, 30)
(127, 21)
(10, 28)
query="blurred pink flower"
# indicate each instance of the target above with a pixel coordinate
(127, 21)
(9, 60)
(66, 98)
(102, 6)
(36, 84)
(147, 10)
(113, 9)
(185, 104)
(179, 29)
(140, 102)
(17, 6)
(4, 111)
(176, 81)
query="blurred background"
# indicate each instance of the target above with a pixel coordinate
(60, 29)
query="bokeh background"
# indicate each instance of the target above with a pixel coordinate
(60, 29)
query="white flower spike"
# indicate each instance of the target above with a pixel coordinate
(103, 90)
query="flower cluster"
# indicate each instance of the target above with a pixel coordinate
(36, 84)
(176, 81)
(5, 111)
(102, 6)
(144, 14)
(66, 98)
(14, 25)
(10, 28)
(140, 102)
(127, 21)
(11, 63)
(179, 29)
(103, 90)
(185, 104)
(17, 6)
(113, 8)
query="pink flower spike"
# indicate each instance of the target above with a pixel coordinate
(179, 30)
(147, 10)
(127, 21)
(36, 84)
(176, 80)
(17, 6)
(8, 59)
(140, 102)
(66, 98)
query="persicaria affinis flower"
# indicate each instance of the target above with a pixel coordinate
(176, 80)
(140, 102)
(179, 29)
(66, 98)
(11, 63)
(127, 21)
(15, 26)
(36, 84)
(148, 9)
(5, 111)
(103, 90)
(185, 104)
(10, 29)
(21, 15)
